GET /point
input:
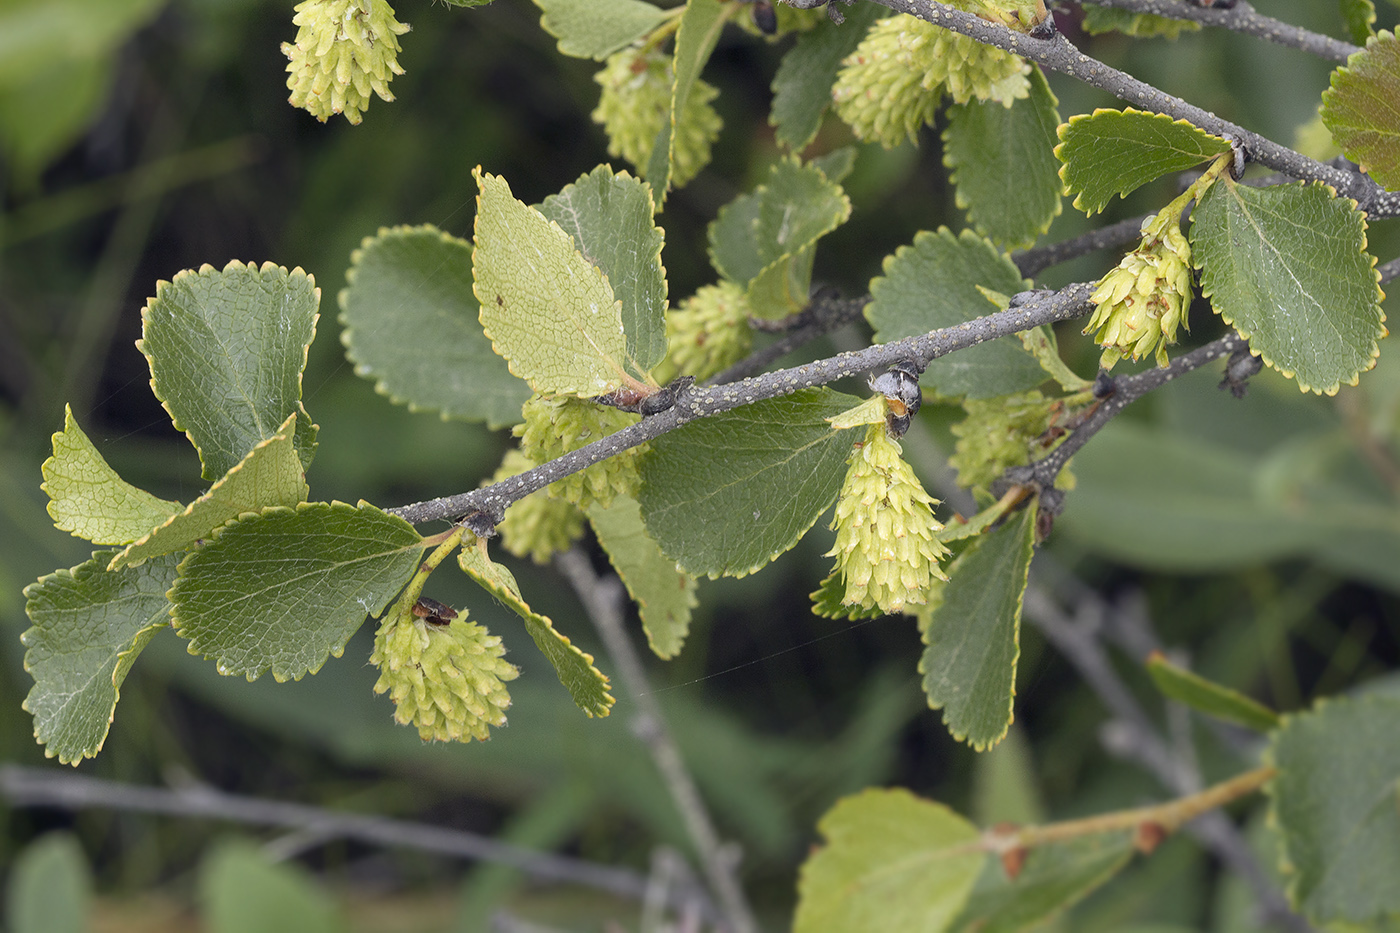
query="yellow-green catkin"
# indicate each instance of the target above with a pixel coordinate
(556, 426)
(538, 526)
(636, 103)
(708, 333)
(1141, 303)
(344, 51)
(998, 433)
(886, 546)
(894, 81)
(448, 681)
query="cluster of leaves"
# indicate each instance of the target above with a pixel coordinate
(559, 304)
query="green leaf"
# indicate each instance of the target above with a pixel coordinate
(1210, 698)
(1288, 267)
(1359, 16)
(891, 862)
(952, 267)
(802, 85)
(664, 593)
(89, 499)
(1113, 152)
(1003, 164)
(725, 495)
(241, 889)
(1102, 19)
(1359, 109)
(283, 589)
(50, 887)
(1041, 343)
(767, 240)
(227, 349)
(969, 666)
(597, 28)
(829, 601)
(585, 683)
(89, 626)
(610, 218)
(1336, 801)
(548, 310)
(411, 325)
(696, 37)
(1053, 879)
(269, 475)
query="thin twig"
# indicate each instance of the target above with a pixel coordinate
(49, 787)
(1058, 54)
(1244, 20)
(1043, 257)
(1043, 308)
(1133, 735)
(603, 599)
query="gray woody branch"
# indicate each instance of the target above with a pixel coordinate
(1057, 53)
(1043, 308)
(1244, 20)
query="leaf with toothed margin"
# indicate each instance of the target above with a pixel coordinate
(548, 310)
(88, 499)
(1360, 19)
(282, 589)
(586, 684)
(802, 84)
(1113, 152)
(1359, 109)
(227, 348)
(696, 37)
(956, 269)
(664, 593)
(1003, 164)
(891, 861)
(609, 215)
(969, 664)
(597, 28)
(1287, 266)
(724, 495)
(269, 475)
(412, 326)
(89, 625)
(1336, 803)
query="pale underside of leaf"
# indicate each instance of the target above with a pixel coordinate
(270, 475)
(586, 684)
(89, 499)
(547, 310)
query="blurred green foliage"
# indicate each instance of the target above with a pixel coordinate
(140, 139)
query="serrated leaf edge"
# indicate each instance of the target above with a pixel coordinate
(285, 433)
(602, 276)
(1375, 350)
(1085, 117)
(205, 269)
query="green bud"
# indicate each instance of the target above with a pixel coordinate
(538, 526)
(999, 433)
(886, 550)
(447, 680)
(636, 103)
(1141, 303)
(708, 332)
(556, 426)
(892, 84)
(344, 51)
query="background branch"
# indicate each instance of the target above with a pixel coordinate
(603, 599)
(48, 787)
(1242, 19)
